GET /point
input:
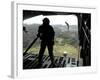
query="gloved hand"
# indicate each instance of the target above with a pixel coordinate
(38, 35)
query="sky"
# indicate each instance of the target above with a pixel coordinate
(54, 20)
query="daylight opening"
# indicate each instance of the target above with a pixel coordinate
(66, 34)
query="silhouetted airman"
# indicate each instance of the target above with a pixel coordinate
(46, 34)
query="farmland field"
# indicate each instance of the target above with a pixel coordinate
(66, 41)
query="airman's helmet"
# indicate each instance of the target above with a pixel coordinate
(46, 21)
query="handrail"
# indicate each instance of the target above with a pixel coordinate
(30, 45)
